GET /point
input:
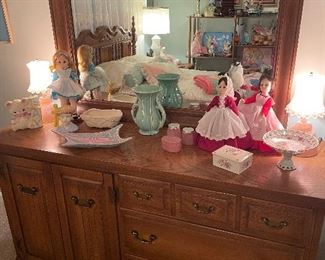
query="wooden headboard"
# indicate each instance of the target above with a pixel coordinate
(109, 43)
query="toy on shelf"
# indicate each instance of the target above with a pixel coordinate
(263, 35)
(196, 47)
(64, 85)
(223, 123)
(92, 78)
(259, 114)
(26, 113)
(236, 73)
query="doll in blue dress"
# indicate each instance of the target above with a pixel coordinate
(92, 78)
(65, 85)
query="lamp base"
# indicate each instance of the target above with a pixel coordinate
(46, 108)
(155, 45)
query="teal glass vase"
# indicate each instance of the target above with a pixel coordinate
(147, 112)
(171, 95)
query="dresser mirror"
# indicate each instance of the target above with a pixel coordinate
(288, 25)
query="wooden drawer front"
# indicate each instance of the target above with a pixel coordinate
(146, 195)
(158, 238)
(275, 221)
(88, 213)
(205, 207)
(132, 257)
(36, 229)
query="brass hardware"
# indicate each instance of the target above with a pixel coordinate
(278, 226)
(83, 203)
(152, 238)
(202, 209)
(28, 190)
(142, 196)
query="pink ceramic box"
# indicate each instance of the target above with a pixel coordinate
(171, 144)
(232, 159)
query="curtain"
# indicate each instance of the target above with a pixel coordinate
(89, 14)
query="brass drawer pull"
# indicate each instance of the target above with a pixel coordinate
(142, 196)
(28, 190)
(278, 226)
(202, 209)
(152, 238)
(83, 203)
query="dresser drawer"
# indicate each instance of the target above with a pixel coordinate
(159, 238)
(275, 221)
(144, 195)
(211, 208)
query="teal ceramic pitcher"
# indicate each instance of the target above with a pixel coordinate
(171, 96)
(147, 112)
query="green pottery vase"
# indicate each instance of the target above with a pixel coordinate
(147, 112)
(171, 96)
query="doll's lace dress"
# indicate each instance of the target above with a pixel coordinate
(65, 86)
(221, 123)
(94, 78)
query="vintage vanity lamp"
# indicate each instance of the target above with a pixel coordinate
(307, 101)
(156, 21)
(40, 79)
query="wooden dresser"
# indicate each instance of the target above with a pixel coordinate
(136, 201)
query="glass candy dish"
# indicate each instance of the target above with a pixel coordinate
(289, 143)
(108, 138)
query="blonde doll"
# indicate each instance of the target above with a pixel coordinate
(91, 78)
(64, 85)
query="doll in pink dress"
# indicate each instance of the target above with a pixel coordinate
(222, 123)
(259, 114)
(196, 47)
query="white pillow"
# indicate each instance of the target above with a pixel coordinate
(137, 59)
(116, 69)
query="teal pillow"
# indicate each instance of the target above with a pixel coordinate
(214, 86)
(133, 77)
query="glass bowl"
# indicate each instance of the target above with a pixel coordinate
(289, 142)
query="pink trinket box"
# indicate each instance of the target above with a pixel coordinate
(232, 159)
(172, 144)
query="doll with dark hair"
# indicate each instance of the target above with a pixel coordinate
(223, 123)
(259, 114)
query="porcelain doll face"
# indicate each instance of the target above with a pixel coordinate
(61, 62)
(222, 88)
(265, 86)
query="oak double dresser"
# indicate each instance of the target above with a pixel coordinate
(136, 201)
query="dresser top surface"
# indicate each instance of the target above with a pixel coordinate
(144, 155)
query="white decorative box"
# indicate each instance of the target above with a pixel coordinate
(232, 159)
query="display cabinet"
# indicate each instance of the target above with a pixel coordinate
(217, 39)
(250, 39)
(255, 41)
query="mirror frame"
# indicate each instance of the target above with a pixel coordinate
(289, 19)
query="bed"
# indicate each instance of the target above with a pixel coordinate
(115, 51)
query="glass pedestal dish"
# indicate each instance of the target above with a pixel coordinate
(289, 143)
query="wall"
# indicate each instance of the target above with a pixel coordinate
(311, 49)
(311, 57)
(33, 39)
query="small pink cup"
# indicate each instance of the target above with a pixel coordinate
(188, 136)
(174, 130)
(172, 144)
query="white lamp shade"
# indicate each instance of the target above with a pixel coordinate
(40, 76)
(156, 21)
(307, 101)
